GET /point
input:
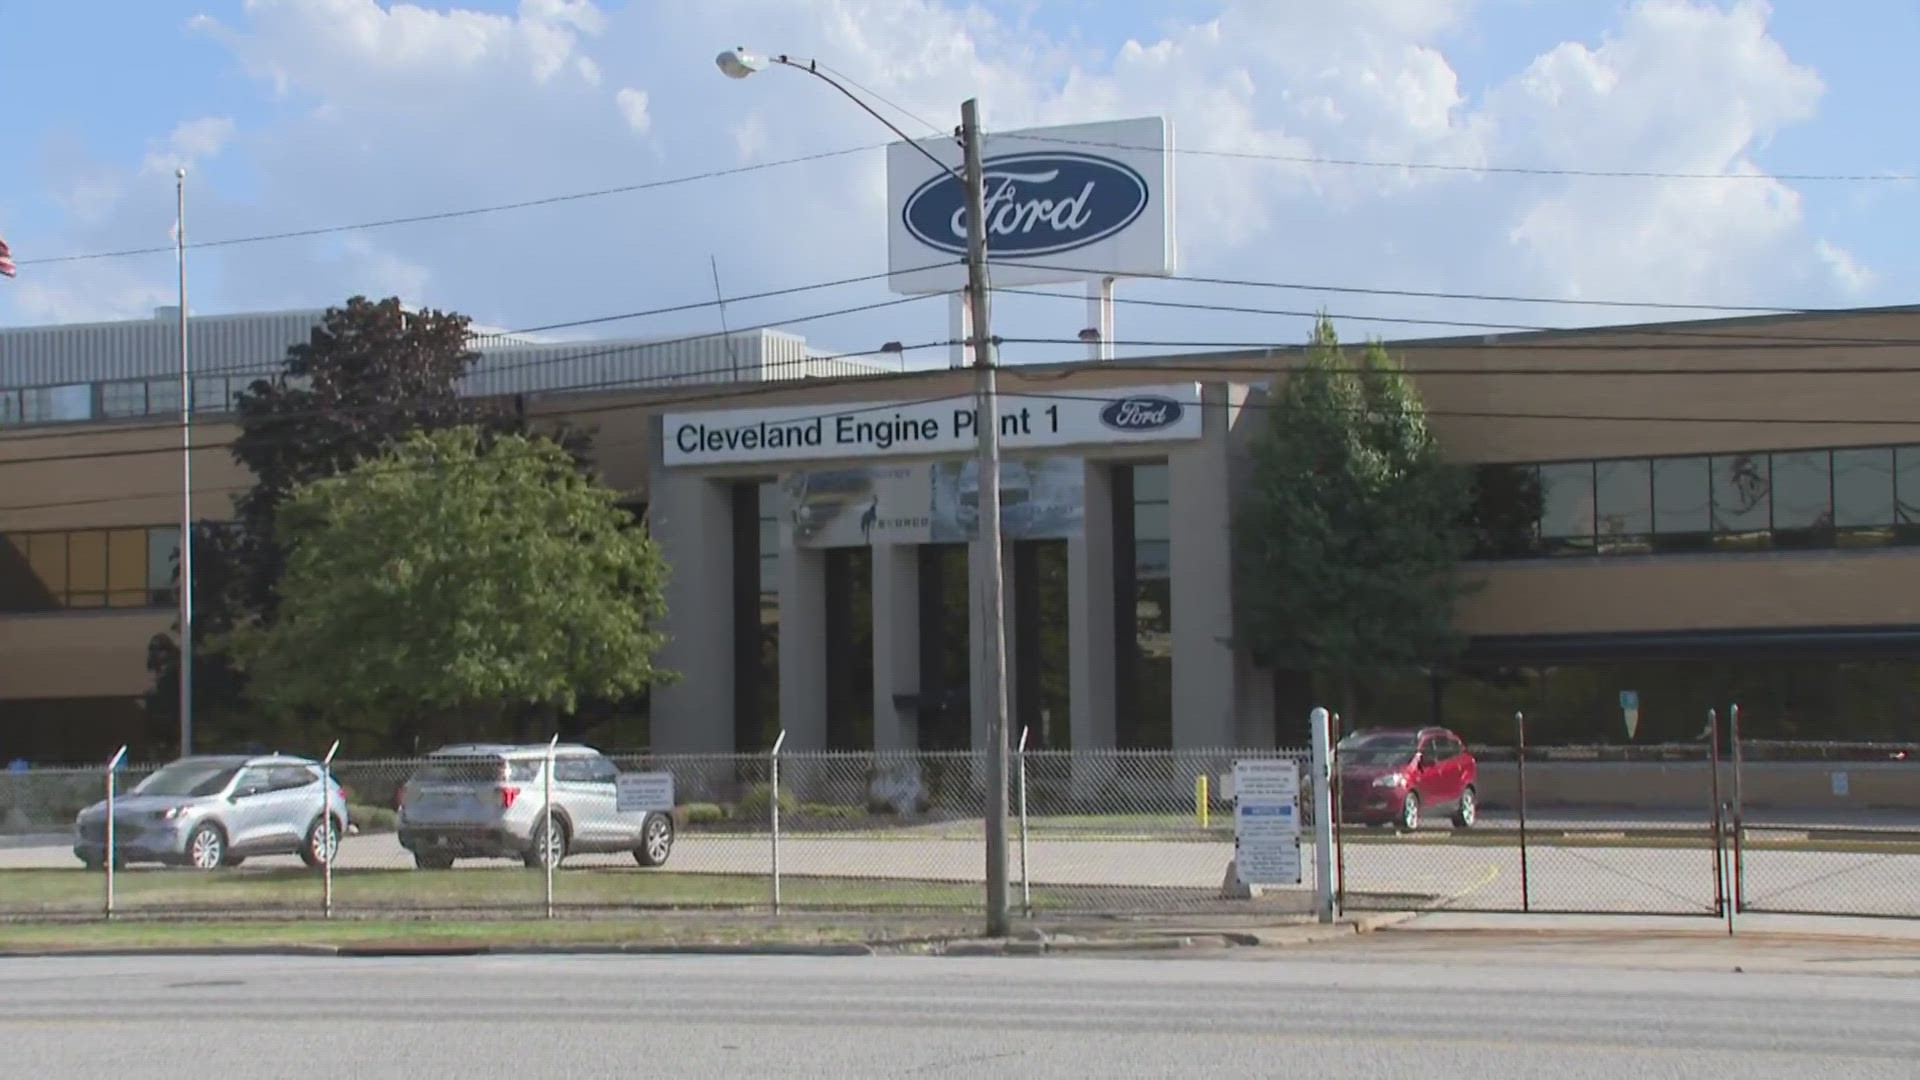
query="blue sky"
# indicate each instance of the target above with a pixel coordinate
(302, 113)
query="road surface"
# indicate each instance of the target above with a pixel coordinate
(1413, 1013)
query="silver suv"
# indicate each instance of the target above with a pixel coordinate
(487, 801)
(208, 812)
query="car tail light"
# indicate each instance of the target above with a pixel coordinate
(507, 796)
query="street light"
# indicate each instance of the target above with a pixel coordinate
(738, 64)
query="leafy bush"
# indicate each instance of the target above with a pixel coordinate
(832, 811)
(372, 819)
(755, 804)
(701, 813)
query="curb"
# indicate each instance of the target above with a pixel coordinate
(366, 952)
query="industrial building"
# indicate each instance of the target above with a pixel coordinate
(1727, 509)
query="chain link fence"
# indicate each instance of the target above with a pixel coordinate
(1104, 833)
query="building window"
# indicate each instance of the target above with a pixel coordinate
(1847, 497)
(90, 568)
(1623, 505)
(118, 399)
(1566, 517)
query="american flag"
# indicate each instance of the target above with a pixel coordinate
(6, 260)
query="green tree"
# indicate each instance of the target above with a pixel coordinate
(460, 582)
(1349, 539)
(370, 374)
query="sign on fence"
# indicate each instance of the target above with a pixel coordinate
(644, 793)
(1266, 821)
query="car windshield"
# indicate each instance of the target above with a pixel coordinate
(1377, 750)
(188, 780)
(486, 770)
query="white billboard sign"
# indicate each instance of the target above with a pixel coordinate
(1062, 204)
(1146, 414)
(1266, 821)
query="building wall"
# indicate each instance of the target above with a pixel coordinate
(124, 474)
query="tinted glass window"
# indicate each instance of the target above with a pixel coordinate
(1742, 490)
(1378, 749)
(460, 771)
(1623, 494)
(1863, 488)
(1681, 499)
(1906, 470)
(1803, 490)
(1566, 516)
(188, 779)
(602, 771)
(572, 770)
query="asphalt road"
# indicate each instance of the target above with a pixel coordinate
(1436, 1012)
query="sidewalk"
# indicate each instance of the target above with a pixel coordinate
(1905, 931)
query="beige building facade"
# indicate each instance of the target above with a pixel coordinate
(1698, 512)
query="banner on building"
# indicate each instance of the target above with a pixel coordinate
(930, 502)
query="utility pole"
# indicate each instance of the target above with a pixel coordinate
(986, 407)
(186, 476)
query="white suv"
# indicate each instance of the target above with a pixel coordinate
(487, 801)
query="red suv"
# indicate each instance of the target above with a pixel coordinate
(1397, 776)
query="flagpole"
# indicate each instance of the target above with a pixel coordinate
(186, 475)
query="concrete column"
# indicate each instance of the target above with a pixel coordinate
(1202, 585)
(691, 518)
(896, 644)
(977, 575)
(1090, 629)
(1254, 704)
(803, 644)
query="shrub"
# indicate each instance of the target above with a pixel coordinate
(831, 811)
(702, 813)
(754, 805)
(372, 819)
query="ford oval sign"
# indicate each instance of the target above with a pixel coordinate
(1142, 413)
(1036, 204)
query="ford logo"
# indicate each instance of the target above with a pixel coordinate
(1143, 413)
(1036, 204)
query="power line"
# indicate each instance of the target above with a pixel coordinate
(1757, 345)
(444, 215)
(400, 406)
(1651, 305)
(748, 390)
(1512, 170)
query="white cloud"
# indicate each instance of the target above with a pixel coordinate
(393, 110)
(633, 107)
(190, 142)
(1847, 270)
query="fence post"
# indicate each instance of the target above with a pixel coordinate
(329, 840)
(1520, 764)
(1715, 809)
(546, 820)
(773, 810)
(1739, 813)
(1325, 904)
(1339, 826)
(113, 770)
(1020, 780)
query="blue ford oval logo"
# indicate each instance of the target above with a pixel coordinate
(1036, 204)
(1143, 413)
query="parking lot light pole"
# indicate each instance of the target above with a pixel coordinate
(738, 64)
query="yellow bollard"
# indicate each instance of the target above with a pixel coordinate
(1200, 802)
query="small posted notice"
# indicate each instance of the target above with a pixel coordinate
(644, 793)
(1266, 821)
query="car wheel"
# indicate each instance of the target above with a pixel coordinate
(207, 848)
(322, 843)
(1468, 812)
(429, 860)
(1410, 813)
(549, 843)
(656, 841)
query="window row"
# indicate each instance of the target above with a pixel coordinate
(1859, 496)
(90, 568)
(113, 400)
